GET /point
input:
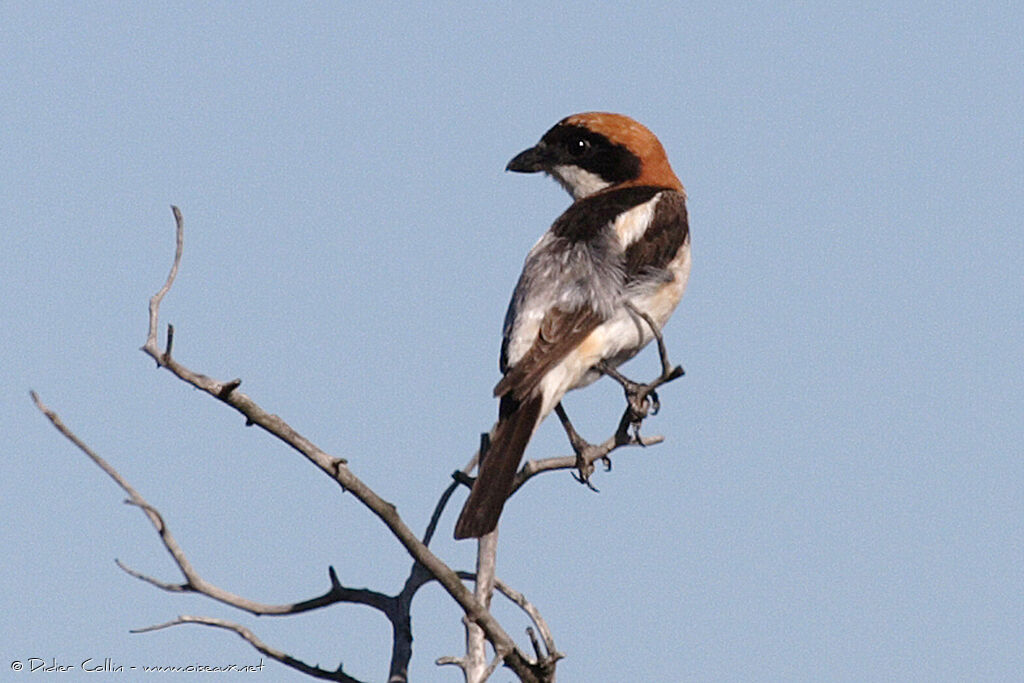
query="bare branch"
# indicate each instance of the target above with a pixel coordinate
(531, 468)
(552, 655)
(336, 468)
(162, 585)
(194, 582)
(476, 667)
(154, 302)
(250, 637)
(396, 608)
(438, 509)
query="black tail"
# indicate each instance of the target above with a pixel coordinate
(497, 470)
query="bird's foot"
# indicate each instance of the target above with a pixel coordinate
(641, 398)
(583, 450)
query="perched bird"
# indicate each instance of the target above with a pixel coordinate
(622, 248)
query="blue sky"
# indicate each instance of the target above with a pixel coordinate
(841, 491)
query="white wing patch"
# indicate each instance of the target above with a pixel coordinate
(631, 225)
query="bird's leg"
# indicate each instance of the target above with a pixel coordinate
(669, 372)
(582, 448)
(636, 393)
(642, 399)
(579, 444)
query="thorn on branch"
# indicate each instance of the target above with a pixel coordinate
(170, 343)
(228, 388)
(336, 465)
(335, 583)
(463, 478)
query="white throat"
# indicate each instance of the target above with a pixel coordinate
(578, 182)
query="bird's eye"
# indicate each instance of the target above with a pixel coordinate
(578, 147)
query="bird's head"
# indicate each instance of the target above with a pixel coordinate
(591, 152)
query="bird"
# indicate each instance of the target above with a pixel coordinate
(610, 267)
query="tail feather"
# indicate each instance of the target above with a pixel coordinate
(498, 470)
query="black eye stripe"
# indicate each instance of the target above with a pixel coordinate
(575, 139)
(593, 152)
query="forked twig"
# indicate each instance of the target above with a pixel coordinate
(550, 655)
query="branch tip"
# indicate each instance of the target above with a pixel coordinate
(170, 342)
(535, 642)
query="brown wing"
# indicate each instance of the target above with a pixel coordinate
(560, 332)
(661, 241)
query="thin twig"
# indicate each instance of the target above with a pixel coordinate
(520, 600)
(250, 637)
(194, 582)
(532, 468)
(545, 633)
(156, 299)
(428, 535)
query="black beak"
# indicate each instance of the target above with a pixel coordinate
(529, 160)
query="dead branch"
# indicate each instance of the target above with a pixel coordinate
(550, 652)
(154, 301)
(194, 582)
(584, 461)
(337, 469)
(259, 645)
(396, 608)
(475, 666)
